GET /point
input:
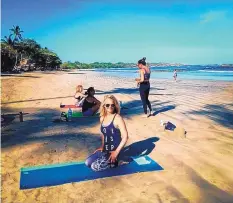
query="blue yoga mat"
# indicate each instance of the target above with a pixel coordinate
(51, 175)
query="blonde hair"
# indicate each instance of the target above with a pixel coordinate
(103, 111)
(79, 88)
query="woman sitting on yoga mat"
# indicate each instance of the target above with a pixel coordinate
(114, 136)
(91, 104)
(144, 85)
(79, 96)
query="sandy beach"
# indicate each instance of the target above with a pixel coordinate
(197, 168)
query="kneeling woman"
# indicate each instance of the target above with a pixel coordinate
(114, 136)
(91, 104)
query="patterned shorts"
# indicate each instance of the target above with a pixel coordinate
(99, 161)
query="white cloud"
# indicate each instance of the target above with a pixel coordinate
(212, 16)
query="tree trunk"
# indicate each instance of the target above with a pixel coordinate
(16, 59)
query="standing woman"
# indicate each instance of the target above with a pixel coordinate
(114, 136)
(144, 85)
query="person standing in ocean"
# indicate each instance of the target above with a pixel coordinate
(144, 85)
(175, 75)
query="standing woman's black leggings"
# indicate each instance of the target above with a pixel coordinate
(144, 90)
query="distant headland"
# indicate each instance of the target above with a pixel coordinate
(96, 65)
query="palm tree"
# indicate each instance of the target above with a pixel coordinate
(16, 32)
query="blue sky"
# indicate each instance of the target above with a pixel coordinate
(191, 32)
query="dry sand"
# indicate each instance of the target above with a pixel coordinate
(197, 168)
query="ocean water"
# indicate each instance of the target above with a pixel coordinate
(183, 72)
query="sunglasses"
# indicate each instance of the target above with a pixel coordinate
(108, 105)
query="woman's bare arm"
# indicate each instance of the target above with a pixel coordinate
(78, 94)
(96, 101)
(141, 79)
(124, 133)
(141, 76)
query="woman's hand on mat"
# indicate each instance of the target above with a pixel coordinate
(113, 156)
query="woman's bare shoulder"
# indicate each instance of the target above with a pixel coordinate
(101, 119)
(118, 118)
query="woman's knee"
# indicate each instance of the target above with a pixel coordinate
(88, 162)
(92, 158)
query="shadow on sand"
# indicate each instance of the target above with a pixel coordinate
(35, 125)
(164, 109)
(18, 75)
(31, 100)
(140, 148)
(124, 91)
(76, 73)
(218, 113)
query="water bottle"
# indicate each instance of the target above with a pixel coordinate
(161, 123)
(21, 116)
(69, 114)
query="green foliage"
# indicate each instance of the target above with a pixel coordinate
(95, 65)
(46, 59)
(16, 49)
(69, 65)
(8, 55)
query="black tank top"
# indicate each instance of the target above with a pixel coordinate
(79, 98)
(146, 76)
(87, 105)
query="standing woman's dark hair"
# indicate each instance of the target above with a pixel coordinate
(142, 61)
(144, 85)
